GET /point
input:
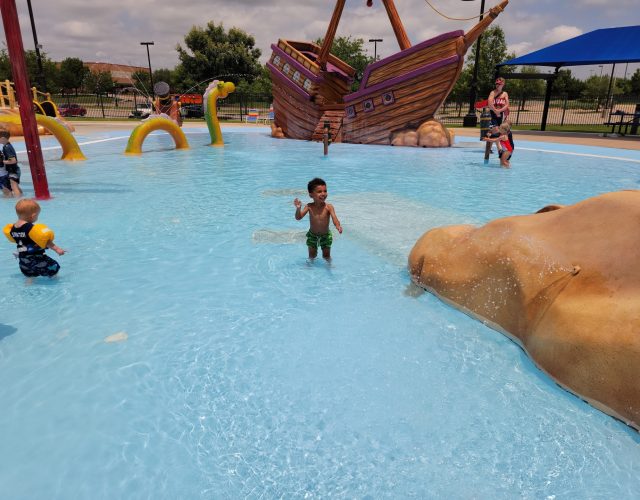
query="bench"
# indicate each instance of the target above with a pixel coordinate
(625, 120)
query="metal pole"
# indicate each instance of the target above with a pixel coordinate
(21, 81)
(149, 61)
(471, 120)
(547, 100)
(41, 77)
(375, 47)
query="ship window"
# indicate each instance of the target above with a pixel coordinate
(285, 68)
(350, 111)
(296, 76)
(307, 84)
(388, 98)
(276, 61)
(368, 105)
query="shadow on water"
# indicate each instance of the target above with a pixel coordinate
(6, 330)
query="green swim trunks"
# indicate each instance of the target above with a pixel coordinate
(322, 240)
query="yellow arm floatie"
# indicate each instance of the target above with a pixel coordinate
(7, 232)
(41, 235)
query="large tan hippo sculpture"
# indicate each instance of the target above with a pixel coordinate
(564, 283)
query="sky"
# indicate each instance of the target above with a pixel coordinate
(111, 31)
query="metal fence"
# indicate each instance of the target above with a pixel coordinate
(587, 114)
(117, 106)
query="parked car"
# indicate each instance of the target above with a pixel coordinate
(192, 111)
(141, 111)
(71, 110)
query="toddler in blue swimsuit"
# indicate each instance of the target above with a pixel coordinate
(32, 240)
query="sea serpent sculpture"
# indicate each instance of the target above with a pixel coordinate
(70, 149)
(216, 90)
(155, 122)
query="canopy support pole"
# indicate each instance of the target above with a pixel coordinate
(547, 100)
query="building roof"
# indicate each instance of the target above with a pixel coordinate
(121, 73)
(603, 46)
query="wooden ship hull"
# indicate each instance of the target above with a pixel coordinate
(305, 94)
(311, 87)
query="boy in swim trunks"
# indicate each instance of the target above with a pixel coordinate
(31, 257)
(319, 214)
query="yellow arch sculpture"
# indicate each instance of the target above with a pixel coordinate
(70, 149)
(216, 90)
(137, 137)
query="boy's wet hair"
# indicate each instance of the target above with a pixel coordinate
(5, 133)
(26, 207)
(314, 183)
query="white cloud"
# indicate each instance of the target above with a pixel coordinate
(559, 34)
(113, 30)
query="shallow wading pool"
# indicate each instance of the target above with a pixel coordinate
(249, 371)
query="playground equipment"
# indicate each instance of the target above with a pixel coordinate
(155, 122)
(215, 90)
(42, 105)
(397, 94)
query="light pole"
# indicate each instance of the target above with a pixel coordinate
(149, 61)
(375, 46)
(471, 120)
(41, 78)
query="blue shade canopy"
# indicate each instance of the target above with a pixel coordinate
(604, 46)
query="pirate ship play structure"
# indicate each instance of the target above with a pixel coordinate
(311, 86)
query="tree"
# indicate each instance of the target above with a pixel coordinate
(566, 84)
(99, 82)
(141, 81)
(49, 68)
(493, 50)
(165, 75)
(211, 53)
(353, 53)
(260, 85)
(635, 83)
(526, 88)
(72, 74)
(596, 86)
(5, 66)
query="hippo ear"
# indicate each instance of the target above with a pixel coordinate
(549, 208)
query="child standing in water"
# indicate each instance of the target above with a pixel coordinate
(32, 240)
(10, 162)
(503, 138)
(319, 214)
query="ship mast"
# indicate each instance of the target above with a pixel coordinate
(396, 24)
(330, 35)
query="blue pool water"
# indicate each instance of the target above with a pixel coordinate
(250, 372)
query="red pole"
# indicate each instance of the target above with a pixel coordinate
(21, 82)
